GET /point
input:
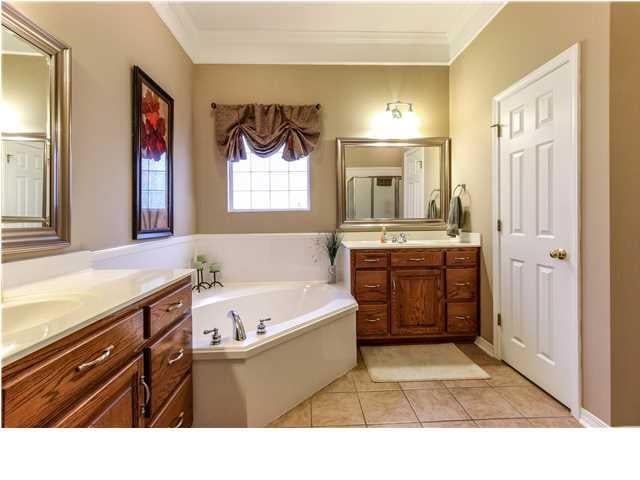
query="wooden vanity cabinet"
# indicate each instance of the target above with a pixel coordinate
(417, 302)
(416, 294)
(112, 373)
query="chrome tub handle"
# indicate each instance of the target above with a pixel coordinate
(106, 353)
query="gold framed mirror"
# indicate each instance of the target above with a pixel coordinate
(398, 184)
(36, 151)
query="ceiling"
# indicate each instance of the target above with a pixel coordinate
(348, 32)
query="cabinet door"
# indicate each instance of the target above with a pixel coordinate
(417, 302)
(116, 403)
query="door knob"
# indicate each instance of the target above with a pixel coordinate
(559, 253)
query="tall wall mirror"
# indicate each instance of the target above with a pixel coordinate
(393, 183)
(36, 74)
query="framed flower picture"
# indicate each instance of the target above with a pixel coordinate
(152, 158)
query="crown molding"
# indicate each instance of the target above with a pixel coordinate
(179, 23)
(296, 47)
(470, 32)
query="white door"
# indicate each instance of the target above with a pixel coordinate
(538, 209)
(413, 176)
(23, 174)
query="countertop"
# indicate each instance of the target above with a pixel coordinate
(377, 244)
(37, 314)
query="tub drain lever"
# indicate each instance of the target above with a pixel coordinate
(262, 328)
(216, 338)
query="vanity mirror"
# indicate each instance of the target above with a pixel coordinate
(36, 76)
(403, 183)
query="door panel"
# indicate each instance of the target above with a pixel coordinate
(417, 302)
(115, 404)
(413, 176)
(23, 170)
(539, 214)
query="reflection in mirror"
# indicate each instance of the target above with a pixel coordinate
(35, 152)
(25, 133)
(393, 182)
(24, 184)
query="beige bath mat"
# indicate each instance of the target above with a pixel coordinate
(409, 363)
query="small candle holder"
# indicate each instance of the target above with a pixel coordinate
(199, 264)
(214, 269)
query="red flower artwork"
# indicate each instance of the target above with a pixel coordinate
(153, 133)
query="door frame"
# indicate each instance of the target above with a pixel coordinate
(570, 56)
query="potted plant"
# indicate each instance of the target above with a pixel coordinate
(332, 242)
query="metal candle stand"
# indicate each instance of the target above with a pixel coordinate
(200, 263)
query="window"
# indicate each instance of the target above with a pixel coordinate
(268, 184)
(153, 183)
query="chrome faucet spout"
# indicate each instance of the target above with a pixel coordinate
(239, 332)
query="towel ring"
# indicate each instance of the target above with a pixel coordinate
(462, 187)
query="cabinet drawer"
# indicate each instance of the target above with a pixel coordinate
(417, 258)
(169, 359)
(371, 320)
(371, 285)
(49, 386)
(461, 318)
(370, 259)
(461, 257)
(167, 310)
(178, 412)
(461, 283)
(115, 404)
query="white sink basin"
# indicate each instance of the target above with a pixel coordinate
(24, 313)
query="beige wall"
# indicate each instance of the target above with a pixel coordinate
(350, 97)
(522, 37)
(106, 41)
(373, 157)
(25, 88)
(625, 219)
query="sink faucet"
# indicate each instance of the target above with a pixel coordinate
(238, 327)
(402, 237)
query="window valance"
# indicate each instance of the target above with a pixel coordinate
(266, 128)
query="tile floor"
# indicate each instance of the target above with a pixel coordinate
(505, 400)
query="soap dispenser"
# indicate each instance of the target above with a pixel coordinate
(383, 235)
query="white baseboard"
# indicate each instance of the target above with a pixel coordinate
(589, 420)
(485, 346)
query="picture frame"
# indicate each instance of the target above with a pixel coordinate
(152, 141)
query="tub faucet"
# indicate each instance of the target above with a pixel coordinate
(238, 327)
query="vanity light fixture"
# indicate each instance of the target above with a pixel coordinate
(394, 109)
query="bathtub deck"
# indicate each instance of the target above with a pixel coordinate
(505, 400)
